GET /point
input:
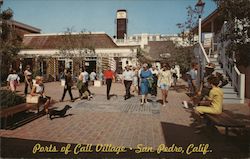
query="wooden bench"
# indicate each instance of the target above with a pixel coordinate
(223, 120)
(11, 111)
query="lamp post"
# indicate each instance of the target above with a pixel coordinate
(199, 9)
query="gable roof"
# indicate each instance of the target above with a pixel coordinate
(74, 40)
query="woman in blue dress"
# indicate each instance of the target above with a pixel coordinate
(145, 76)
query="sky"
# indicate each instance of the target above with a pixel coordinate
(144, 16)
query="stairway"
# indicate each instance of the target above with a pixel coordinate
(230, 95)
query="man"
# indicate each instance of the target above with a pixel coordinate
(174, 75)
(109, 76)
(92, 76)
(193, 75)
(127, 80)
(155, 78)
(193, 82)
(68, 84)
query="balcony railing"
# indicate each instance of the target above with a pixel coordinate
(202, 58)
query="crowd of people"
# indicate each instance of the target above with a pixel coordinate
(143, 80)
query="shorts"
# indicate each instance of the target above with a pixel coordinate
(164, 86)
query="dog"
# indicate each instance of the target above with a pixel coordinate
(60, 113)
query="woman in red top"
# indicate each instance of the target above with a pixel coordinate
(108, 75)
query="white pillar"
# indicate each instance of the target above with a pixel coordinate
(199, 30)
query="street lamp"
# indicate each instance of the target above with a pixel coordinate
(199, 9)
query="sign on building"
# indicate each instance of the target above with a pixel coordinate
(207, 40)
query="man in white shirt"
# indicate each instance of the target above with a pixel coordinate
(127, 79)
(92, 76)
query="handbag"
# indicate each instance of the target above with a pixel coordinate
(150, 82)
(79, 84)
(32, 99)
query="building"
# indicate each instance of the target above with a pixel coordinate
(121, 24)
(49, 54)
(21, 28)
(212, 28)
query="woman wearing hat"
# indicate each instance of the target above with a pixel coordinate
(145, 76)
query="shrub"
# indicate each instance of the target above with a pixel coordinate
(9, 99)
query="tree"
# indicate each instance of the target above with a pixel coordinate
(183, 57)
(143, 56)
(10, 43)
(237, 15)
(190, 23)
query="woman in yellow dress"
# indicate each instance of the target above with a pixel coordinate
(215, 107)
(216, 98)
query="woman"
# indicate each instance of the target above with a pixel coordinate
(164, 80)
(68, 84)
(146, 79)
(215, 100)
(13, 80)
(39, 89)
(83, 93)
(27, 79)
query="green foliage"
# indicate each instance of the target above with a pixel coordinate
(190, 23)
(10, 43)
(143, 56)
(183, 57)
(237, 15)
(9, 98)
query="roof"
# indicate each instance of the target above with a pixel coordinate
(156, 48)
(25, 26)
(206, 23)
(57, 41)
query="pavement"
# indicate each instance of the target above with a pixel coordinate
(126, 122)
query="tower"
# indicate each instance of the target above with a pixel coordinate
(121, 23)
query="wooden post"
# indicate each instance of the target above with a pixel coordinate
(54, 69)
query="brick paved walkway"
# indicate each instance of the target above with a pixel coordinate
(121, 122)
